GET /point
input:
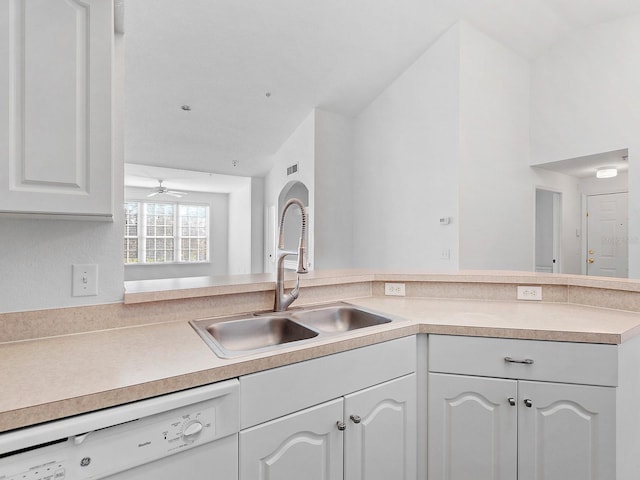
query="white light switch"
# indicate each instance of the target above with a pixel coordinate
(85, 280)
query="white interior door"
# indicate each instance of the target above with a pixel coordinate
(607, 246)
(270, 239)
(548, 231)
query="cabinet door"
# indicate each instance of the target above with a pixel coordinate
(472, 428)
(380, 439)
(55, 95)
(567, 432)
(305, 444)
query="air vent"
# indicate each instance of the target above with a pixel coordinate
(292, 169)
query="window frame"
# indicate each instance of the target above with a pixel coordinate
(177, 230)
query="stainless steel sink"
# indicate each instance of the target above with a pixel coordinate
(339, 318)
(250, 335)
(243, 335)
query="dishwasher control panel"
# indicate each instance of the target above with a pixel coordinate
(47, 462)
(123, 446)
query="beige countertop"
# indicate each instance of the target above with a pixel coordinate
(54, 377)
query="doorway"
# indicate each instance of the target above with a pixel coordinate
(292, 225)
(607, 236)
(548, 231)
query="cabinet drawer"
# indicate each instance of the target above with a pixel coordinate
(280, 391)
(583, 363)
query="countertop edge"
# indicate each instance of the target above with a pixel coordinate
(195, 287)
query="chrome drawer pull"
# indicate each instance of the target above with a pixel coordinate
(526, 361)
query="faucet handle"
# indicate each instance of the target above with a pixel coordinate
(294, 293)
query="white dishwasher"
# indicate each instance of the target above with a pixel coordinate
(191, 434)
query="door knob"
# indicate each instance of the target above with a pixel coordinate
(341, 425)
(590, 252)
(591, 260)
(528, 403)
(355, 418)
(512, 401)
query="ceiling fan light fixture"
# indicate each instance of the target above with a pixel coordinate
(162, 190)
(606, 172)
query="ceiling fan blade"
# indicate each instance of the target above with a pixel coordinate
(153, 194)
(176, 194)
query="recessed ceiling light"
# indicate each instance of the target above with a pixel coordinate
(606, 172)
(268, 94)
(186, 108)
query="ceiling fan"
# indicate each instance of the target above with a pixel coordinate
(161, 190)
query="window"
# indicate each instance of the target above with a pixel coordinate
(166, 233)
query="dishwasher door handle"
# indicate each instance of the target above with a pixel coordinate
(78, 439)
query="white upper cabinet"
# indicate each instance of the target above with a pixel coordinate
(56, 103)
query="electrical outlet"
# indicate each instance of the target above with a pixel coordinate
(85, 280)
(529, 293)
(396, 289)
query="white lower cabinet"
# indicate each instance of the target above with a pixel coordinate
(485, 428)
(497, 429)
(367, 435)
(380, 435)
(472, 428)
(350, 415)
(305, 444)
(566, 432)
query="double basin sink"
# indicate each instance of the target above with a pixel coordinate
(238, 336)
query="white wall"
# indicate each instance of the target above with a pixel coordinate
(497, 186)
(406, 166)
(257, 224)
(496, 231)
(333, 233)
(219, 239)
(585, 99)
(450, 138)
(298, 148)
(584, 93)
(239, 259)
(36, 255)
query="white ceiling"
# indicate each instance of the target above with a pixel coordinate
(221, 57)
(585, 167)
(147, 176)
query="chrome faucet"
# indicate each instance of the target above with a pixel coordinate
(283, 300)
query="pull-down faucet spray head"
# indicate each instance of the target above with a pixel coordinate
(302, 244)
(282, 299)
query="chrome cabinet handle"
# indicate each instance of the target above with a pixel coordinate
(526, 361)
(355, 418)
(341, 425)
(528, 403)
(512, 401)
